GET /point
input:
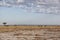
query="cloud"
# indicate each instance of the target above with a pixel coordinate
(38, 6)
(20, 1)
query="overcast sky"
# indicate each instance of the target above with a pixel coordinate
(16, 15)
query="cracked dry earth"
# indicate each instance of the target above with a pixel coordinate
(34, 34)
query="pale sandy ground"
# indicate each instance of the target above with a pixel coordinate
(30, 34)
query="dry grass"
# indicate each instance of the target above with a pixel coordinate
(14, 28)
(29, 32)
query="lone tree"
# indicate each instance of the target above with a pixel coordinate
(4, 23)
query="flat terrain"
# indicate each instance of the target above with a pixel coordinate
(29, 32)
(13, 28)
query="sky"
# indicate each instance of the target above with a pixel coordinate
(19, 16)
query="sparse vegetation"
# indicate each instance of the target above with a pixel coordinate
(29, 32)
(14, 28)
